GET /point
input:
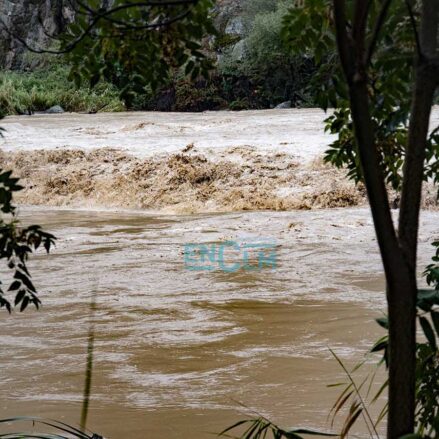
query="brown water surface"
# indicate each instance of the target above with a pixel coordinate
(176, 350)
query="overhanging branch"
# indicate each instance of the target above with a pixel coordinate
(376, 31)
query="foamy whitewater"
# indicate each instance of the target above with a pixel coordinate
(179, 162)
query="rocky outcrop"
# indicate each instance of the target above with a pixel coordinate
(225, 12)
(29, 20)
(32, 20)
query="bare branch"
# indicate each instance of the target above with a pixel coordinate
(126, 26)
(147, 4)
(45, 31)
(69, 48)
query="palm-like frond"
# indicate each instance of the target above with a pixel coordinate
(63, 430)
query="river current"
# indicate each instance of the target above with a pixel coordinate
(181, 352)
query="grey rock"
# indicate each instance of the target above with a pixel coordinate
(235, 26)
(23, 17)
(224, 11)
(238, 51)
(56, 109)
(286, 104)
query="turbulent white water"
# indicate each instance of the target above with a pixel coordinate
(178, 163)
(299, 132)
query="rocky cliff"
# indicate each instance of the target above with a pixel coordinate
(30, 20)
(33, 19)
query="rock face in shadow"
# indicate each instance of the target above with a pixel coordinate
(32, 20)
(29, 20)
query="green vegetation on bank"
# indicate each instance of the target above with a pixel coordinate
(255, 69)
(27, 92)
(273, 70)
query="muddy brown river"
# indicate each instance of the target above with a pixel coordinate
(181, 352)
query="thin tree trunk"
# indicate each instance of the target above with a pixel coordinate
(398, 253)
(425, 83)
(402, 298)
(401, 279)
(402, 301)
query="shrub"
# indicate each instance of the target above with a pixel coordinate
(200, 96)
(267, 61)
(24, 92)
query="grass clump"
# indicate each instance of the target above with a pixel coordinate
(25, 92)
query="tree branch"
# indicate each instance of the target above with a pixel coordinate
(146, 4)
(99, 15)
(429, 28)
(426, 81)
(69, 48)
(364, 134)
(344, 49)
(359, 26)
(377, 29)
(415, 30)
(125, 27)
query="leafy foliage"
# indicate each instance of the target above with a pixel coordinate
(427, 362)
(259, 428)
(16, 244)
(265, 59)
(352, 394)
(137, 44)
(26, 92)
(310, 28)
(431, 273)
(389, 80)
(64, 431)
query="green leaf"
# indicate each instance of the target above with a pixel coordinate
(427, 298)
(19, 297)
(24, 304)
(381, 344)
(14, 285)
(189, 67)
(295, 430)
(428, 331)
(383, 322)
(435, 320)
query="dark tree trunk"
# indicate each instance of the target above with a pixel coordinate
(398, 252)
(402, 355)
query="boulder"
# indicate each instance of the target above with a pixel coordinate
(238, 51)
(286, 104)
(235, 26)
(56, 109)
